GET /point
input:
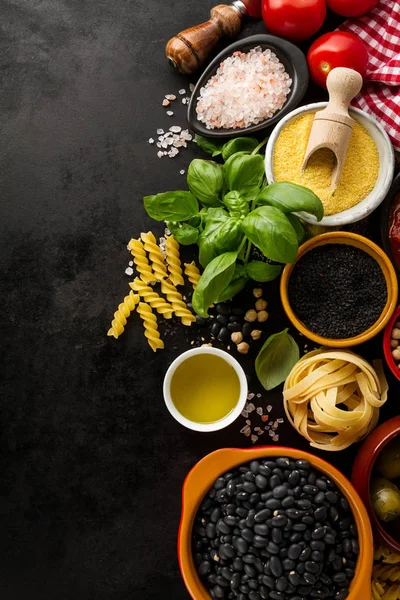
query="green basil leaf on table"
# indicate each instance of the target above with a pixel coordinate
(185, 234)
(171, 206)
(208, 145)
(263, 272)
(236, 204)
(290, 197)
(245, 173)
(270, 230)
(297, 226)
(235, 286)
(276, 359)
(222, 233)
(244, 144)
(215, 278)
(205, 180)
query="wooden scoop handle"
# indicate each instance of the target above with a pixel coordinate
(343, 85)
(188, 50)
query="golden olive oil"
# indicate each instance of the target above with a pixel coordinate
(205, 388)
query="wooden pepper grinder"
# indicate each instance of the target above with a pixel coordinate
(188, 50)
(333, 126)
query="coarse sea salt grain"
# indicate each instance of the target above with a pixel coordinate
(248, 88)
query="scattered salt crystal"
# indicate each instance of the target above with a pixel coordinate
(182, 91)
(259, 410)
(151, 141)
(129, 271)
(170, 97)
(279, 420)
(184, 100)
(182, 172)
(160, 154)
(254, 438)
(250, 407)
(258, 395)
(261, 432)
(191, 87)
(269, 408)
(165, 103)
(250, 396)
(175, 129)
(276, 438)
(244, 429)
(244, 413)
(130, 263)
(160, 131)
(169, 113)
(248, 422)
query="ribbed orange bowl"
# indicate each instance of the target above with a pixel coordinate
(206, 471)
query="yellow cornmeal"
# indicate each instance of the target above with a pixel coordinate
(359, 174)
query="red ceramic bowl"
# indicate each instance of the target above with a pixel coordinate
(386, 344)
(389, 535)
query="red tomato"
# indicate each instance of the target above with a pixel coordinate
(294, 19)
(336, 49)
(351, 8)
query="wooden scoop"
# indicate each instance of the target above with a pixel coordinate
(333, 126)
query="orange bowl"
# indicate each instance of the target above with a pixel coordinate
(204, 473)
(363, 243)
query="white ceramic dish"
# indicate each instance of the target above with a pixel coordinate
(386, 168)
(221, 423)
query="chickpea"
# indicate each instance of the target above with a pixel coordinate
(262, 316)
(237, 337)
(261, 304)
(256, 334)
(396, 333)
(251, 316)
(396, 354)
(394, 343)
(243, 348)
(397, 324)
(257, 292)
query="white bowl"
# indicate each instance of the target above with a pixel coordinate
(221, 423)
(385, 175)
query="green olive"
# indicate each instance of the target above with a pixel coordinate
(385, 499)
(388, 463)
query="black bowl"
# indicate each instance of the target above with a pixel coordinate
(385, 212)
(295, 64)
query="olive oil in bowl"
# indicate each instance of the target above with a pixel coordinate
(205, 389)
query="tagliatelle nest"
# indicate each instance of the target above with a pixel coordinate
(332, 397)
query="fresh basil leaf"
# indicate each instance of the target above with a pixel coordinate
(205, 180)
(208, 145)
(171, 206)
(244, 144)
(245, 174)
(185, 234)
(297, 226)
(215, 278)
(270, 230)
(236, 204)
(290, 197)
(235, 286)
(276, 359)
(221, 233)
(263, 272)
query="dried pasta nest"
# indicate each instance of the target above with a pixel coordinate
(333, 397)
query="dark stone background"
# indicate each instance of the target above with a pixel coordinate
(91, 462)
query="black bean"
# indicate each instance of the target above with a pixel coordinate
(279, 521)
(281, 584)
(248, 535)
(304, 590)
(294, 551)
(273, 503)
(347, 546)
(266, 496)
(254, 596)
(320, 514)
(247, 328)
(268, 581)
(288, 564)
(223, 335)
(273, 548)
(262, 515)
(210, 530)
(234, 326)
(300, 568)
(329, 538)
(278, 472)
(249, 487)
(280, 491)
(297, 491)
(261, 482)
(294, 578)
(309, 578)
(283, 552)
(318, 533)
(305, 554)
(227, 551)
(274, 481)
(245, 589)
(204, 568)
(253, 584)
(295, 537)
(222, 308)
(344, 504)
(332, 497)
(288, 501)
(215, 329)
(223, 527)
(264, 470)
(238, 311)
(303, 464)
(310, 489)
(230, 488)
(263, 593)
(294, 478)
(349, 573)
(342, 594)
(276, 535)
(283, 462)
(339, 577)
(230, 520)
(241, 512)
(312, 566)
(220, 580)
(337, 563)
(242, 496)
(249, 520)
(222, 319)
(319, 498)
(317, 545)
(276, 566)
(260, 541)
(215, 515)
(237, 563)
(293, 513)
(308, 520)
(250, 570)
(242, 545)
(275, 595)
(321, 484)
(317, 556)
(355, 546)
(261, 529)
(299, 527)
(235, 581)
(218, 591)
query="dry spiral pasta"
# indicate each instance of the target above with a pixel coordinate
(151, 297)
(150, 326)
(192, 273)
(155, 255)
(332, 398)
(386, 572)
(143, 267)
(121, 315)
(386, 556)
(179, 306)
(173, 260)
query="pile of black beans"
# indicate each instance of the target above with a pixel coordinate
(275, 529)
(227, 321)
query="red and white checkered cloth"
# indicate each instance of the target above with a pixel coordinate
(380, 96)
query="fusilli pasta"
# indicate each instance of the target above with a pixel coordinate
(155, 255)
(151, 297)
(179, 306)
(386, 572)
(150, 326)
(174, 261)
(192, 273)
(123, 312)
(143, 267)
(385, 555)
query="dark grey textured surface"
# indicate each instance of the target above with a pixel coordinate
(91, 463)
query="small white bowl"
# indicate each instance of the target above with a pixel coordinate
(221, 423)
(385, 175)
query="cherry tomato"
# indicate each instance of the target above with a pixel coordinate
(336, 49)
(294, 19)
(351, 8)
